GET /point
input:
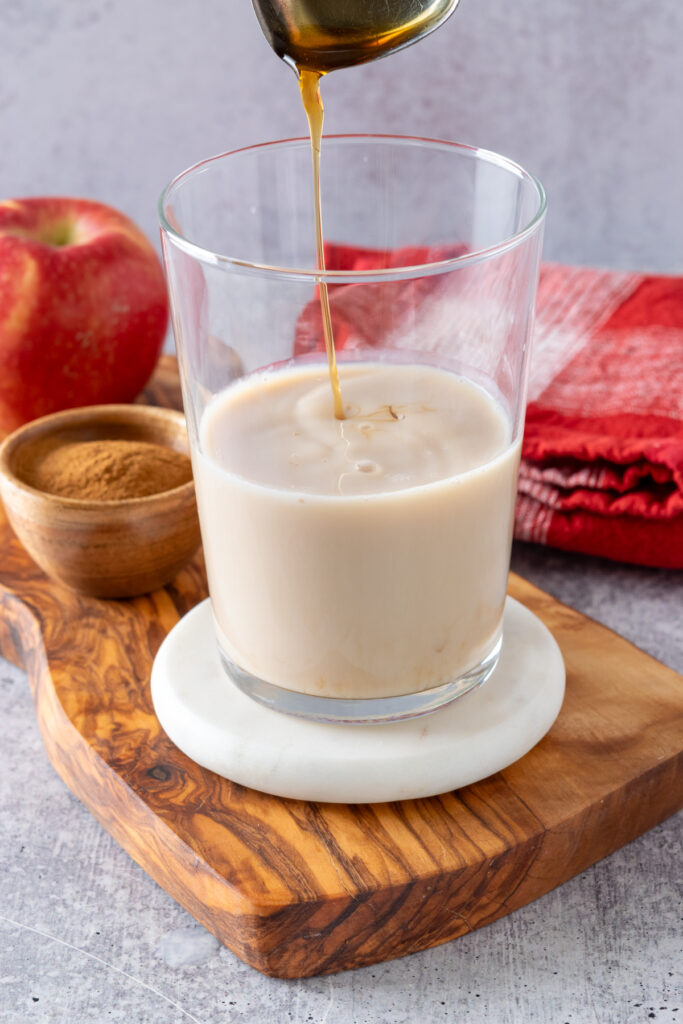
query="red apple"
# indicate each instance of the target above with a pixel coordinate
(83, 307)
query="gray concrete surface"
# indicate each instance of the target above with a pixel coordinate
(86, 937)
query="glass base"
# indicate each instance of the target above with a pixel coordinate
(360, 711)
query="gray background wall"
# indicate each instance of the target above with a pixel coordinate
(110, 99)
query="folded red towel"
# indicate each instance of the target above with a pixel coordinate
(602, 460)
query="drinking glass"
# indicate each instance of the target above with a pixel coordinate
(354, 607)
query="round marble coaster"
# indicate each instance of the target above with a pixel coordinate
(222, 729)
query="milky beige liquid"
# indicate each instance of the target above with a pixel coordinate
(359, 558)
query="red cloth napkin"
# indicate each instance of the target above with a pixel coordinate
(602, 459)
(602, 465)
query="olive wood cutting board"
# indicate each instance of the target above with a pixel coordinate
(296, 889)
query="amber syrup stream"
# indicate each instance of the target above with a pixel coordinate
(309, 84)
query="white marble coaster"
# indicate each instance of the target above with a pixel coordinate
(222, 729)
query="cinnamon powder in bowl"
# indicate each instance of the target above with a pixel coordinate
(102, 497)
(107, 470)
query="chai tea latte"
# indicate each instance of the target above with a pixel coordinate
(364, 557)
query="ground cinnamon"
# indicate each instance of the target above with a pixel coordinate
(109, 470)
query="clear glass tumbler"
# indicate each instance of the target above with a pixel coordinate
(357, 568)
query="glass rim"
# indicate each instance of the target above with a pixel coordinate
(210, 257)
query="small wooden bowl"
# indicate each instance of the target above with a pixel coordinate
(101, 548)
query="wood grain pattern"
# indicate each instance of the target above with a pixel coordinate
(297, 889)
